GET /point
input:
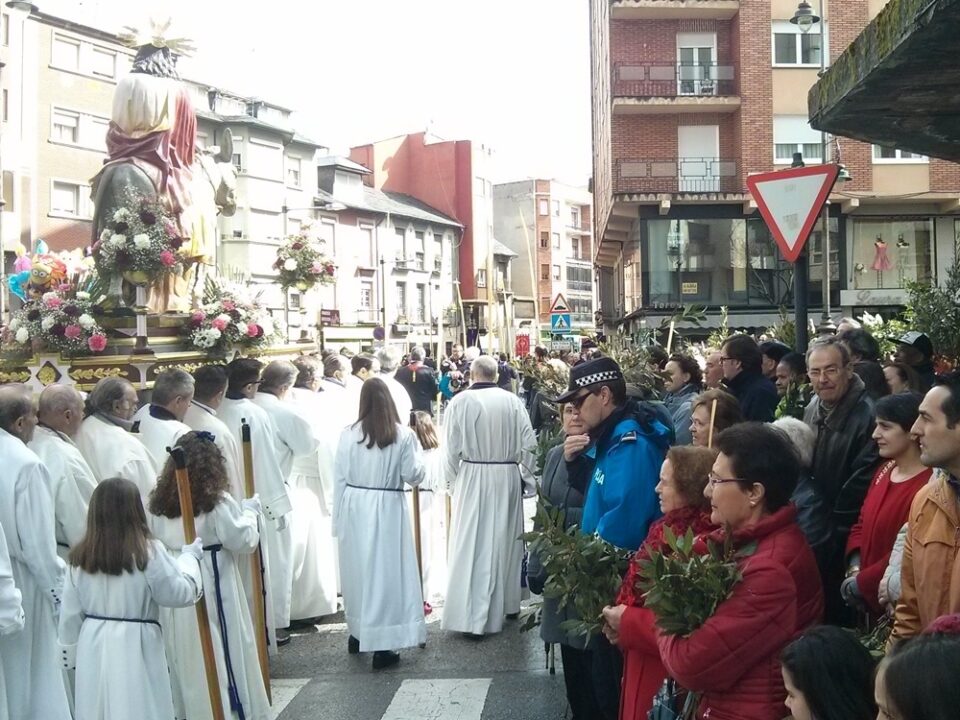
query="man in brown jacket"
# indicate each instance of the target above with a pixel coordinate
(931, 563)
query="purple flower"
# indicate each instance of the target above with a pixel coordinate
(33, 315)
(71, 311)
(121, 228)
(58, 330)
(147, 217)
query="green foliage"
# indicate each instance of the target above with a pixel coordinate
(784, 330)
(550, 435)
(875, 639)
(583, 571)
(684, 588)
(795, 401)
(935, 310)
(634, 361)
(716, 338)
(886, 332)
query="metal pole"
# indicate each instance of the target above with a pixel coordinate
(801, 283)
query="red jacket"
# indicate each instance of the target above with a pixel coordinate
(734, 658)
(884, 512)
(643, 673)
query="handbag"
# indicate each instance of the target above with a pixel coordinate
(672, 702)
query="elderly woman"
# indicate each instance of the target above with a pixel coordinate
(727, 414)
(556, 489)
(732, 660)
(888, 500)
(683, 478)
(684, 383)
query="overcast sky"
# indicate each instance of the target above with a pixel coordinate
(511, 74)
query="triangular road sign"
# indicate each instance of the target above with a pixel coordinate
(559, 304)
(790, 201)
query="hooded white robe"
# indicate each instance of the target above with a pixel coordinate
(199, 417)
(111, 451)
(121, 665)
(11, 613)
(382, 599)
(158, 434)
(31, 658)
(235, 531)
(401, 398)
(72, 482)
(490, 453)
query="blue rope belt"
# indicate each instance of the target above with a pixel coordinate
(232, 690)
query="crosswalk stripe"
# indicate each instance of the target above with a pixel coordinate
(284, 690)
(453, 699)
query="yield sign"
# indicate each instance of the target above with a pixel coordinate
(559, 304)
(790, 201)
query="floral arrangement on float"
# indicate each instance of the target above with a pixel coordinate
(60, 321)
(302, 261)
(230, 317)
(141, 242)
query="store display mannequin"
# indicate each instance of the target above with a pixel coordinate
(881, 260)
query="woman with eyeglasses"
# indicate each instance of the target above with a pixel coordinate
(888, 500)
(733, 659)
(627, 624)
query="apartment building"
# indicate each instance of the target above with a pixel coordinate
(692, 96)
(549, 227)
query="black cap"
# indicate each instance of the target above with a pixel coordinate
(919, 341)
(595, 372)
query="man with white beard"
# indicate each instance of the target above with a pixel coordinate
(31, 658)
(311, 488)
(243, 377)
(161, 422)
(490, 457)
(72, 482)
(209, 389)
(106, 442)
(389, 358)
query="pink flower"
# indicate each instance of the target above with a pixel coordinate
(168, 258)
(229, 305)
(53, 302)
(219, 324)
(73, 331)
(254, 330)
(64, 287)
(97, 342)
(316, 268)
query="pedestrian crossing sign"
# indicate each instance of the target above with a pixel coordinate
(560, 323)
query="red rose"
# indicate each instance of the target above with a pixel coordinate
(97, 342)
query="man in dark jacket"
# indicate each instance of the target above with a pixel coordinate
(419, 382)
(916, 350)
(845, 455)
(741, 361)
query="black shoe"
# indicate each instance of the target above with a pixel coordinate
(353, 645)
(473, 636)
(384, 659)
(283, 637)
(513, 616)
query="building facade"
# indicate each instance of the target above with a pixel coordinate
(549, 227)
(692, 97)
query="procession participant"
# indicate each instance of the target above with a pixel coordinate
(243, 377)
(311, 490)
(11, 613)
(383, 602)
(336, 369)
(389, 358)
(161, 422)
(419, 381)
(294, 437)
(105, 440)
(363, 367)
(209, 389)
(433, 490)
(71, 480)
(489, 452)
(228, 530)
(109, 621)
(30, 659)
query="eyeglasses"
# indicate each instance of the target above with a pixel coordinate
(724, 359)
(714, 479)
(829, 373)
(577, 402)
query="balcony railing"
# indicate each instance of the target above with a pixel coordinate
(660, 79)
(678, 175)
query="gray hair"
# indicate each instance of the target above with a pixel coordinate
(471, 353)
(15, 401)
(57, 399)
(277, 374)
(309, 369)
(831, 341)
(171, 384)
(484, 369)
(332, 364)
(105, 393)
(416, 353)
(389, 358)
(801, 436)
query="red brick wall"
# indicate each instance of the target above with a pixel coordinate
(755, 119)
(654, 137)
(944, 176)
(656, 40)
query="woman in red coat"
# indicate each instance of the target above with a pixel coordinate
(888, 500)
(733, 659)
(683, 477)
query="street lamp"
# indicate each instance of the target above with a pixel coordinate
(804, 18)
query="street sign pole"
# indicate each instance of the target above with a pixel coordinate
(801, 282)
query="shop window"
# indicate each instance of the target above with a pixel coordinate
(891, 253)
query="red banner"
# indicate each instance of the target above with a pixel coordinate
(523, 346)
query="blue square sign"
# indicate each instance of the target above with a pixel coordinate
(560, 323)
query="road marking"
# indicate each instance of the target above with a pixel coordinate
(284, 690)
(456, 699)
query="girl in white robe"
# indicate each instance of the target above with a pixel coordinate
(433, 496)
(229, 533)
(382, 598)
(109, 619)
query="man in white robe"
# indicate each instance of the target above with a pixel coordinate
(490, 456)
(31, 658)
(72, 482)
(160, 423)
(269, 481)
(311, 485)
(11, 613)
(106, 442)
(210, 387)
(389, 358)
